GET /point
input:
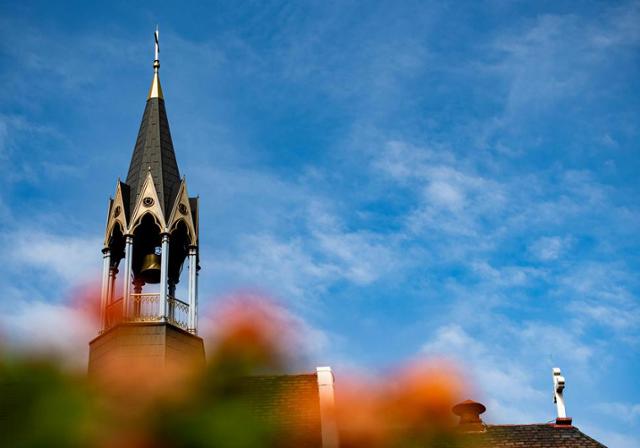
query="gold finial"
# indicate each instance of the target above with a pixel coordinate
(156, 90)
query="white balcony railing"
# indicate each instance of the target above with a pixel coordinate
(178, 313)
(145, 307)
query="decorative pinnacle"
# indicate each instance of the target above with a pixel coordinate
(156, 90)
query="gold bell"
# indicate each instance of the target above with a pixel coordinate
(150, 270)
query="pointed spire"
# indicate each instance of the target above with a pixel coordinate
(156, 91)
(153, 152)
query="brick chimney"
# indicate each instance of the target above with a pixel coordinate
(469, 412)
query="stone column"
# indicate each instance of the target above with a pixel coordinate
(193, 289)
(164, 276)
(195, 310)
(137, 300)
(172, 304)
(113, 272)
(104, 292)
(126, 285)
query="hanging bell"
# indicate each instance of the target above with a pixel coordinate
(150, 270)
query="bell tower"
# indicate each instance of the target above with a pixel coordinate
(151, 234)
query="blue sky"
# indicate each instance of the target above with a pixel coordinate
(410, 178)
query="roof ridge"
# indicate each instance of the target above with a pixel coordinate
(522, 424)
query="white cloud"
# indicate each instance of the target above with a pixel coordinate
(549, 248)
(503, 380)
(283, 267)
(620, 318)
(4, 132)
(452, 339)
(450, 196)
(563, 342)
(445, 194)
(51, 329)
(626, 412)
(304, 265)
(72, 259)
(612, 438)
(505, 276)
(361, 257)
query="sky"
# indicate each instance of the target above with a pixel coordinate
(410, 179)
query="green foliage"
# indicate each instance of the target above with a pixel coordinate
(42, 406)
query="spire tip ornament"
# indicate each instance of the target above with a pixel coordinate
(156, 90)
(157, 48)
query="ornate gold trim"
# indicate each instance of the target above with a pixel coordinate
(177, 215)
(116, 215)
(148, 190)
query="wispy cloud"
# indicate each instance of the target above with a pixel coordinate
(52, 329)
(507, 380)
(549, 248)
(628, 412)
(71, 259)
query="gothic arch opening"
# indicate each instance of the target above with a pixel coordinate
(116, 244)
(179, 249)
(146, 250)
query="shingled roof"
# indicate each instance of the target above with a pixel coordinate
(560, 434)
(532, 436)
(154, 152)
(291, 401)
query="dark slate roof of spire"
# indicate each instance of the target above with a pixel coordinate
(154, 151)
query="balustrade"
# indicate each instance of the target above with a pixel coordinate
(146, 308)
(178, 313)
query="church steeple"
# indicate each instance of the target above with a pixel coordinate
(152, 228)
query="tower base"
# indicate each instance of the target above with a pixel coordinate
(154, 345)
